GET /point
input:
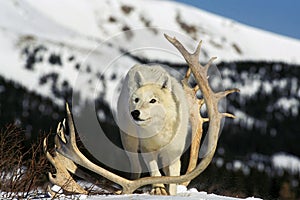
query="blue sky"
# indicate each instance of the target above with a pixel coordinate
(279, 16)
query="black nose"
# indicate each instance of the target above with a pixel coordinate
(135, 114)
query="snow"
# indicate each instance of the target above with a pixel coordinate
(89, 19)
(289, 105)
(182, 194)
(248, 121)
(77, 17)
(287, 162)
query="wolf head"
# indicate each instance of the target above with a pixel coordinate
(151, 103)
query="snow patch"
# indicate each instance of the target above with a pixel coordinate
(288, 105)
(287, 162)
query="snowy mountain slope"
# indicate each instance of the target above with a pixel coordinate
(222, 37)
(88, 34)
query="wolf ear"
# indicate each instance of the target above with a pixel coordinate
(166, 82)
(138, 79)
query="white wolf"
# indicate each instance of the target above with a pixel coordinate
(153, 114)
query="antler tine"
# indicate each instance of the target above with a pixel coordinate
(198, 50)
(223, 94)
(66, 144)
(188, 74)
(71, 125)
(209, 64)
(48, 155)
(229, 115)
(60, 132)
(189, 58)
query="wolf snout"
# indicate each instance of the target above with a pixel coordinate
(135, 114)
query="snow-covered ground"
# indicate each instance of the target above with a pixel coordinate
(182, 194)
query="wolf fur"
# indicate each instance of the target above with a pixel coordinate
(153, 118)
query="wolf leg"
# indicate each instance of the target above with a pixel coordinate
(173, 170)
(131, 145)
(157, 189)
(135, 166)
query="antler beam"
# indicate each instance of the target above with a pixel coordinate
(196, 121)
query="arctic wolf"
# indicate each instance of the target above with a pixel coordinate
(153, 119)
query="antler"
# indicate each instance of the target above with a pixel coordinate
(210, 98)
(196, 120)
(62, 177)
(65, 167)
(66, 144)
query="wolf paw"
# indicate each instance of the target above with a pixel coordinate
(158, 191)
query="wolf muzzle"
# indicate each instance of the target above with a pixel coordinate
(135, 115)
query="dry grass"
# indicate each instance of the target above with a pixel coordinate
(23, 166)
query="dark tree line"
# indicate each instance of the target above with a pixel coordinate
(275, 129)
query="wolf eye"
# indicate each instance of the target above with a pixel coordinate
(136, 100)
(152, 101)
